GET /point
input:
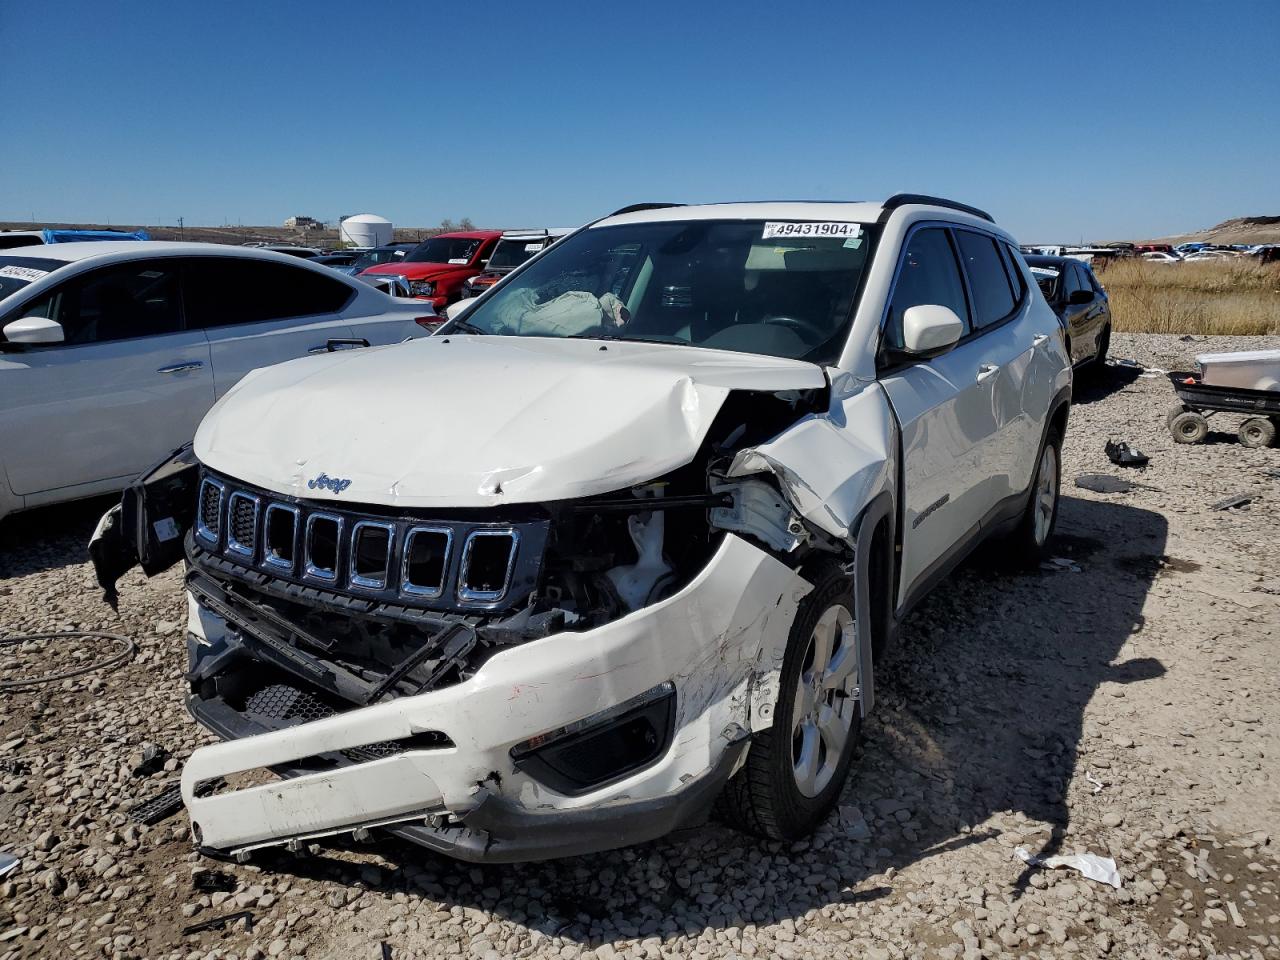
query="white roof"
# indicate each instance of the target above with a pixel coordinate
(860, 212)
(85, 250)
(366, 218)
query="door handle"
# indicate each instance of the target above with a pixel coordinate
(987, 371)
(182, 367)
(1039, 340)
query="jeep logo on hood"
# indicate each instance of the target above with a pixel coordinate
(326, 482)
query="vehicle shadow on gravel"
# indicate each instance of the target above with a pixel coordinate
(979, 716)
(50, 537)
(1094, 383)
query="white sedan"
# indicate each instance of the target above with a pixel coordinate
(112, 352)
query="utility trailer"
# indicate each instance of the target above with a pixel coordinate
(1188, 418)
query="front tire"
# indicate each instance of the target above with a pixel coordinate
(795, 769)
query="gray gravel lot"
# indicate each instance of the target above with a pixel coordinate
(1122, 701)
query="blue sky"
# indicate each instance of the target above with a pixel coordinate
(1099, 121)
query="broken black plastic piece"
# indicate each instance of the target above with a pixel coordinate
(1123, 455)
(168, 802)
(219, 923)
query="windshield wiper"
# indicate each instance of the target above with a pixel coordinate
(673, 342)
(463, 327)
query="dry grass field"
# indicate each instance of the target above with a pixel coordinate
(1239, 298)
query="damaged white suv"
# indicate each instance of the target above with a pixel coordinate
(623, 540)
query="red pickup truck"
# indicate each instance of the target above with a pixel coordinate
(436, 269)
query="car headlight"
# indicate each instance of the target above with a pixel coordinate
(422, 288)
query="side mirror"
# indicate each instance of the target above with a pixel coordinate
(34, 330)
(930, 330)
(1079, 297)
(456, 309)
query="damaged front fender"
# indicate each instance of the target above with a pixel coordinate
(831, 465)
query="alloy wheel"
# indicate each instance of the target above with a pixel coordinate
(826, 699)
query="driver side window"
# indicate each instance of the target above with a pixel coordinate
(929, 274)
(138, 299)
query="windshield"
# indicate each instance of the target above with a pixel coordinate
(509, 254)
(371, 258)
(17, 272)
(785, 290)
(455, 250)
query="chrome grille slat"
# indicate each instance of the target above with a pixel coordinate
(242, 527)
(357, 579)
(467, 592)
(408, 585)
(270, 556)
(209, 528)
(310, 568)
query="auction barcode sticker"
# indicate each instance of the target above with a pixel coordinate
(826, 228)
(22, 273)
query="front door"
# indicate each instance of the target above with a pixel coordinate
(947, 413)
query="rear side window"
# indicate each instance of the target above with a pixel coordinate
(929, 274)
(1013, 265)
(223, 292)
(988, 279)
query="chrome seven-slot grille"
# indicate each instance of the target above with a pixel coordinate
(438, 564)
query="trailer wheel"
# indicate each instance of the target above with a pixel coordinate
(1174, 411)
(1189, 427)
(1257, 432)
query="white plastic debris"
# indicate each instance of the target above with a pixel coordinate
(8, 862)
(1097, 784)
(1102, 869)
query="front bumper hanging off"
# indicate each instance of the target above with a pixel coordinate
(718, 643)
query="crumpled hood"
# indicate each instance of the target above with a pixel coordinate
(462, 421)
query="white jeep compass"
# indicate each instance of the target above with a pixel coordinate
(622, 541)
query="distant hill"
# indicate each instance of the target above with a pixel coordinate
(232, 235)
(1237, 230)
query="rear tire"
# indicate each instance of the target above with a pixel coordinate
(1257, 432)
(1030, 539)
(795, 770)
(1176, 410)
(1189, 427)
(1104, 347)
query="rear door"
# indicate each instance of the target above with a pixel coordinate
(259, 312)
(947, 413)
(129, 384)
(1003, 336)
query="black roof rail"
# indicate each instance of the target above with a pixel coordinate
(636, 207)
(902, 199)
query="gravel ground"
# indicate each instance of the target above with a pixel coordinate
(1122, 701)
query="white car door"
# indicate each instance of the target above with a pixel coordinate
(947, 413)
(128, 385)
(1003, 326)
(259, 312)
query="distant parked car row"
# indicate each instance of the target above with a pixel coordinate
(1161, 253)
